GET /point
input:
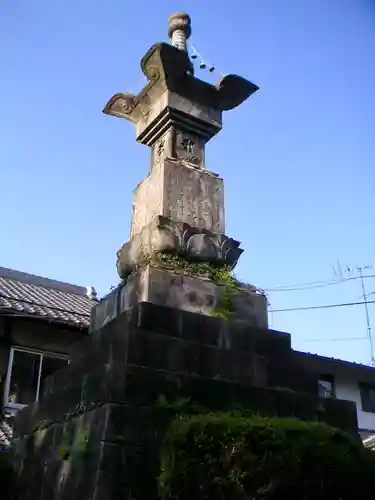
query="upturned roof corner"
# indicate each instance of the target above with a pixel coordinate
(168, 68)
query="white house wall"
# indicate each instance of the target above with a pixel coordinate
(347, 388)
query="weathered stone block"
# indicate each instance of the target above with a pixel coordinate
(201, 295)
(178, 291)
(148, 349)
(165, 287)
(57, 462)
(169, 109)
(121, 421)
(181, 193)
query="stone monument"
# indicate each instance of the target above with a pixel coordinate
(178, 208)
(96, 432)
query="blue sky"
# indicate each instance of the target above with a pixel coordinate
(297, 158)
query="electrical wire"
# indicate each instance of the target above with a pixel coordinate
(359, 297)
(282, 287)
(314, 284)
(327, 306)
(342, 339)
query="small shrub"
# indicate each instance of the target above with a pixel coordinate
(228, 457)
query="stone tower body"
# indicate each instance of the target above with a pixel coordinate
(178, 208)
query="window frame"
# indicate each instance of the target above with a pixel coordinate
(327, 378)
(363, 386)
(37, 352)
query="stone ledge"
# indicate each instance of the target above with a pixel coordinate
(142, 386)
(179, 341)
(179, 238)
(179, 290)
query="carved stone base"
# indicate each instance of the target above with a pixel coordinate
(165, 287)
(178, 238)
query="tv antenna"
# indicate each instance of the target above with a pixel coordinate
(358, 271)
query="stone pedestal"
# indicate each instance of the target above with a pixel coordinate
(97, 431)
(184, 291)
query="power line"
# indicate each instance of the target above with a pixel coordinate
(283, 287)
(361, 296)
(342, 339)
(314, 284)
(327, 306)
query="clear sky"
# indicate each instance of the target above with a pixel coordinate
(297, 158)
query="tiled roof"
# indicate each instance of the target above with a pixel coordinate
(370, 443)
(27, 294)
(6, 433)
(337, 361)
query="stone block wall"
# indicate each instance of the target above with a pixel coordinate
(97, 431)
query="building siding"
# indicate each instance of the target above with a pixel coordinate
(347, 388)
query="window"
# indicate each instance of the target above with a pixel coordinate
(27, 372)
(326, 386)
(368, 397)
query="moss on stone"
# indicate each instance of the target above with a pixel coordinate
(222, 275)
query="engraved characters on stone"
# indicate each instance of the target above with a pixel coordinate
(190, 148)
(194, 197)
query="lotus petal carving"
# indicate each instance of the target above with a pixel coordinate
(178, 238)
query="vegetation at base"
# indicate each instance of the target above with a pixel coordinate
(230, 457)
(81, 441)
(63, 451)
(222, 275)
(77, 447)
(197, 268)
(179, 406)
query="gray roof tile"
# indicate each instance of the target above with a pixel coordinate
(27, 294)
(6, 433)
(370, 443)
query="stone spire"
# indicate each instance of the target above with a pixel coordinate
(179, 206)
(179, 29)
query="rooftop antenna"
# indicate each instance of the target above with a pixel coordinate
(369, 333)
(359, 274)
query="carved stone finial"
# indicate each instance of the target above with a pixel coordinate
(179, 29)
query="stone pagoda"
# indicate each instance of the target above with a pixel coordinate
(97, 429)
(178, 208)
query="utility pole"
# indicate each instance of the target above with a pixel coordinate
(369, 333)
(339, 272)
(359, 274)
